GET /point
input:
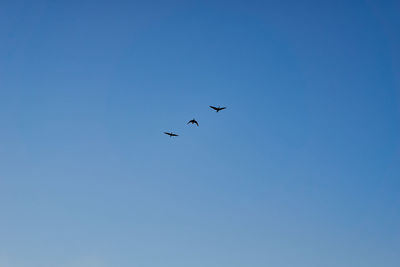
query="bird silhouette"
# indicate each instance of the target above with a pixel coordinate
(170, 134)
(193, 122)
(218, 109)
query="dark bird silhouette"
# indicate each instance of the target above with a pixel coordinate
(170, 134)
(193, 122)
(217, 108)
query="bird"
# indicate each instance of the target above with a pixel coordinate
(193, 122)
(170, 134)
(217, 108)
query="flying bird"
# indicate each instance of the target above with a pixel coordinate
(170, 134)
(193, 122)
(217, 108)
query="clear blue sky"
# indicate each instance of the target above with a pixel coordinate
(302, 169)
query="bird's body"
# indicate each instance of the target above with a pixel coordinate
(217, 109)
(170, 134)
(193, 122)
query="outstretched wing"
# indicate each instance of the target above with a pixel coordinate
(170, 134)
(222, 108)
(196, 123)
(213, 107)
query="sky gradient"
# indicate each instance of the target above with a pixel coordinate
(302, 169)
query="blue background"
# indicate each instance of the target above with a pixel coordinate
(302, 169)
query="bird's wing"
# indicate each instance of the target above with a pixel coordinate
(167, 133)
(189, 122)
(196, 123)
(222, 108)
(213, 107)
(174, 135)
